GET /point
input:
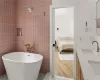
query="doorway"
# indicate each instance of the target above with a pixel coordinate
(62, 33)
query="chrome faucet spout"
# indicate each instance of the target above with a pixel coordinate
(97, 45)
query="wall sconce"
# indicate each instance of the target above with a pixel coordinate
(30, 9)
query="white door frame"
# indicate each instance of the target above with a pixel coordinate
(52, 40)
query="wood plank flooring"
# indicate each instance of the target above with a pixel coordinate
(63, 68)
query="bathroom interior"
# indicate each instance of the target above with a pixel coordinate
(24, 24)
(26, 39)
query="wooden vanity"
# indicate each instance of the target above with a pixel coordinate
(78, 70)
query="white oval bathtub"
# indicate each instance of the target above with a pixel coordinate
(22, 65)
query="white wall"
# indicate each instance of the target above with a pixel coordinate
(98, 9)
(98, 16)
(85, 11)
(64, 2)
(64, 20)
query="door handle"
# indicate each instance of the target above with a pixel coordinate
(54, 45)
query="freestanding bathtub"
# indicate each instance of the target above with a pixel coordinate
(22, 65)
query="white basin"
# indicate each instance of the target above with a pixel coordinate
(22, 65)
(97, 53)
(95, 66)
(95, 62)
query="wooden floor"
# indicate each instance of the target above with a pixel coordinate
(63, 68)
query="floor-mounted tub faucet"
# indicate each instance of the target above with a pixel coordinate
(97, 45)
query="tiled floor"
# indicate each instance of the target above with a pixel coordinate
(41, 77)
(48, 77)
(3, 77)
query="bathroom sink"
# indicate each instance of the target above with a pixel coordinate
(93, 58)
(97, 53)
(94, 61)
(95, 64)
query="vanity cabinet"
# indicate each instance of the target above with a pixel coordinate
(78, 70)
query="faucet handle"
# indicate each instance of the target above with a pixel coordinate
(27, 47)
(32, 48)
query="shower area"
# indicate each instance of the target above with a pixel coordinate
(25, 22)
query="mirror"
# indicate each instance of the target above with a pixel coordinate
(98, 17)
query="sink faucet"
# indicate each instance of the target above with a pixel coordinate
(97, 45)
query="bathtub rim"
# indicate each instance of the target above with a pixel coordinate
(21, 61)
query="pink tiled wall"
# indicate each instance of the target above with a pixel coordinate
(35, 27)
(7, 29)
